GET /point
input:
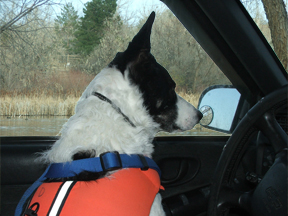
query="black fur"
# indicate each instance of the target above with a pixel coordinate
(158, 90)
(84, 154)
(153, 80)
(140, 43)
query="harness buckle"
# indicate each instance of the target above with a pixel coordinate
(110, 161)
(30, 211)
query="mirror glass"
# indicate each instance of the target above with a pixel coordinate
(218, 105)
(207, 115)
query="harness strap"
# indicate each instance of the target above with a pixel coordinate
(105, 162)
(108, 161)
(29, 192)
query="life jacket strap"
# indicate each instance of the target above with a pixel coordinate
(107, 161)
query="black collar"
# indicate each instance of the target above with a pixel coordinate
(103, 98)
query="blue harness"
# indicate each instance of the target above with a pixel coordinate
(108, 161)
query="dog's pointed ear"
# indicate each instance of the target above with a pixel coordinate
(141, 41)
(139, 44)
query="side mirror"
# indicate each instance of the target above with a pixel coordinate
(218, 105)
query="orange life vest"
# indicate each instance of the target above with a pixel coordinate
(125, 192)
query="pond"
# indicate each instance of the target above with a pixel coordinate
(31, 125)
(51, 126)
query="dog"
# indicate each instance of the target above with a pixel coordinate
(121, 110)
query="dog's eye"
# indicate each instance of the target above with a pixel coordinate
(165, 107)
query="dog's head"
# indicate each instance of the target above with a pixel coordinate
(167, 108)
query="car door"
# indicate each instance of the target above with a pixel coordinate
(187, 165)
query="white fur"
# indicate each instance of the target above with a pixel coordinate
(187, 115)
(96, 125)
(93, 126)
(157, 209)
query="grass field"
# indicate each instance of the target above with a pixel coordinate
(43, 105)
(37, 106)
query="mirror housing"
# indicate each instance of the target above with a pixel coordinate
(219, 106)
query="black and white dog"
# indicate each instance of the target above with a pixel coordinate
(122, 109)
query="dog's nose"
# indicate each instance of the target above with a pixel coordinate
(199, 114)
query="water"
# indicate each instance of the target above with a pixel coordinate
(31, 125)
(51, 126)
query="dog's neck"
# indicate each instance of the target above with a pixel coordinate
(103, 98)
(97, 126)
(107, 136)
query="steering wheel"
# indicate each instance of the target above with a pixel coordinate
(269, 197)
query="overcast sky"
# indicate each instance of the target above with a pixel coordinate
(135, 9)
(129, 8)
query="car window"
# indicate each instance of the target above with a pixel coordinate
(47, 60)
(271, 19)
(188, 64)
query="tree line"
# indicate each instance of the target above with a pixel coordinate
(37, 50)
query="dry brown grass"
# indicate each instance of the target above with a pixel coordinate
(37, 106)
(43, 105)
(191, 98)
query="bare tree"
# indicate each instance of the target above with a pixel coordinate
(278, 23)
(13, 11)
(29, 53)
(182, 56)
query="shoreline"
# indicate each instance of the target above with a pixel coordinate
(37, 106)
(42, 105)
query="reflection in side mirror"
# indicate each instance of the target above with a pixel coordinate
(207, 115)
(218, 105)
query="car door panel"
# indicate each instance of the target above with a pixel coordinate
(187, 163)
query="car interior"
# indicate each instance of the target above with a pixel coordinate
(244, 173)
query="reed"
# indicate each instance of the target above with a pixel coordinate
(37, 106)
(191, 98)
(43, 105)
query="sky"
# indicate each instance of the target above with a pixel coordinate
(134, 10)
(133, 4)
(129, 8)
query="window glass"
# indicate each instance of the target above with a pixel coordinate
(47, 60)
(271, 19)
